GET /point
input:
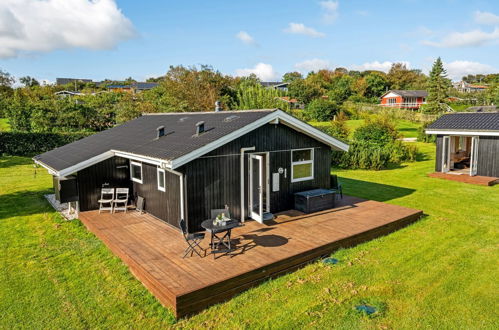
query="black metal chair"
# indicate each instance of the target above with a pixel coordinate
(336, 185)
(192, 240)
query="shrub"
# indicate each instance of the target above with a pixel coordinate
(423, 137)
(374, 146)
(337, 129)
(378, 129)
(30, 144)
(321, 109)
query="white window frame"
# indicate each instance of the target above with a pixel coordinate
(164, 179)
(311, 161)
(141, 172)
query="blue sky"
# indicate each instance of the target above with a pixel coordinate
(116, 39)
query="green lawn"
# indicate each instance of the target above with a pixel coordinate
(406, 128)
(4, 125)
(440, 272)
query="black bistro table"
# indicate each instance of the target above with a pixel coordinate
(217, 239)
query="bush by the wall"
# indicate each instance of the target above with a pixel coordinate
(423, 137)
(321, 109)
(30, 144)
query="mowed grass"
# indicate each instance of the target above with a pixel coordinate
(4, 125)
(440, 272)
(406, 128)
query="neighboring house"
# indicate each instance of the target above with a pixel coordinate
(293, 103)
(467, 143)
(465, 87)
(282, 86)
(63, 94)
(406, 99)
(65, 81)
(136, 87)
(185, 164)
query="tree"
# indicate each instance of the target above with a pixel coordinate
(19, 112)
(321, 109)
(402, 78)
(6, 80)
(376, 84)
(291, 76)
(28, 81)
(258, 97)
(438, 88)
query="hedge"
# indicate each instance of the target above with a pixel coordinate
(31, 144)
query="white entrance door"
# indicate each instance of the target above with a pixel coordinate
(446, 154)
(256, 187)
(474, 156)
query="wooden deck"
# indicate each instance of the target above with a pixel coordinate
(152, 249)
(477, 179)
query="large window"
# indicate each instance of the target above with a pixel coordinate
(302, 165)
(136, 171)
(161, 179)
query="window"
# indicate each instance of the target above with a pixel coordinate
(392, 100)
(161, 179)
(302, 165)
(136, 172)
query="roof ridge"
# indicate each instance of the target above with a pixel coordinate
(207, 112)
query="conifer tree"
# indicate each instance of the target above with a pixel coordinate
(438, 88)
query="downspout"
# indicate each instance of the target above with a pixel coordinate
(243, 150)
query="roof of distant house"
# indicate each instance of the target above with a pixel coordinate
(483, 108)
(467, 121)
(408, 93)
(180, 141)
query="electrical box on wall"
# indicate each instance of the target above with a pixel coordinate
(275, 182)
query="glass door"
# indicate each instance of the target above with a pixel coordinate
(474, 156)
(256, 187)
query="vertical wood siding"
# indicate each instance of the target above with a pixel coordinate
(164, 205)
(488, 156)
(214, 179)
(91, 179)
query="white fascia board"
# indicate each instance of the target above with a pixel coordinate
(86, 163)
(145, 159)
(279, 115)
(48, 168)
(462, 132)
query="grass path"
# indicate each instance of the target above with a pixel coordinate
(440, 272)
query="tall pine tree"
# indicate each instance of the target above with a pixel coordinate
(438, 88)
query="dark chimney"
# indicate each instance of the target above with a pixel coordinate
(161, 131)
(199, 127)
(218, 106)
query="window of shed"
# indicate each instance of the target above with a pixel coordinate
(136, 172)
(302, 165)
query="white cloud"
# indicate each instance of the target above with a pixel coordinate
(486, 18)
(378, 66)
(262, 70)
(299, 28)
(465, 39)
(457, 69)
(246, 38)
(330, 9)
(43, 26)
(315, 64)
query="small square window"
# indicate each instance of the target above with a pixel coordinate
(161, 180)
(136, 172)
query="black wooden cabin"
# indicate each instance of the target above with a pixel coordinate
(467, 143)
(185, 164)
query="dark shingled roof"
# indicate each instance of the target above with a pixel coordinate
(138, 136)
(410, 93)
(472, 121)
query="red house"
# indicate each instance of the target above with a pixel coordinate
(410, 99)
